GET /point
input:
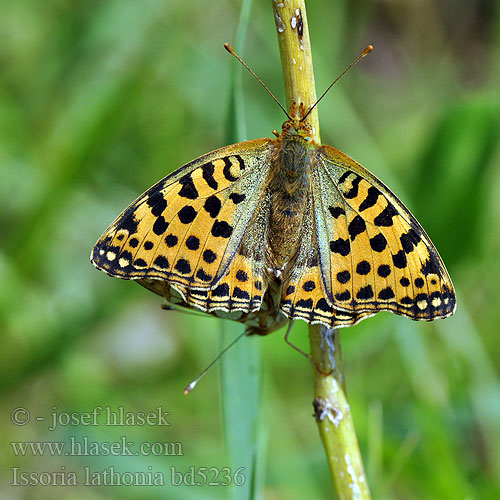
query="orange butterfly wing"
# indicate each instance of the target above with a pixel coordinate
(190, 231)
(372, 254)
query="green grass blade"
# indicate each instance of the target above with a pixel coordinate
(240, 367)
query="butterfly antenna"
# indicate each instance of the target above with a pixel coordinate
(192, 385)
(232, 52)
(365, 52)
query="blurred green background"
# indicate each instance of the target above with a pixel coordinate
(100, 99)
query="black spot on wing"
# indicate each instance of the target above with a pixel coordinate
(241, 276)
(187, 214)
(160, 225)
(371, 198)
(208, 175)
(353, 192)
(227, 170)
(171, 240)
(378, 242)
(157, 203)
(340, 246)
(209, 256)
(384, 270)
(322, 305)
(386, 294)
(203, 276)
(404, 281)
(385, 217)
(221, 290)
(363, 267)
(222, 229)
(414, 236)
(188, 189)
(193, 243)
(305, 304)
(406, 242)
(419, 283)
(309, 286)
(213, 206)
(240, 294)
(161, 262)
(128, 222)
(237, 197)
(336, 211)
(365, 293)
(430, 266)
(343, 277)
(345, 295)
(183, 266)
(400, 260)
(356, 226)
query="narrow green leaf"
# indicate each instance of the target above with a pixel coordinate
(240, 366)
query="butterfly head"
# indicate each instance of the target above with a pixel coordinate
(295, 129)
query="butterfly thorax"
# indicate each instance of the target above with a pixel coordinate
(290, 192)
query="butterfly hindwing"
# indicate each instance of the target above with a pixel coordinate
(303, 294)
(373, 253)
(241, 289)
(188, 228)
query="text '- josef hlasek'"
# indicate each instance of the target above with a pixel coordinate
(99, 415)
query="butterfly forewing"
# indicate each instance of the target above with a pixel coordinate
(373, 253)
(188, 228)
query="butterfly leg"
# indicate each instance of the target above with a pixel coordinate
(287, 334)
(308, 356)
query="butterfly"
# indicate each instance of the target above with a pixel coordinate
(271, 230)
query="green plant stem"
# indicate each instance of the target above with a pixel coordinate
(331, 407)
(333, 415)
(296, 59)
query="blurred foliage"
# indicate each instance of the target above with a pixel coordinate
(98, 100)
